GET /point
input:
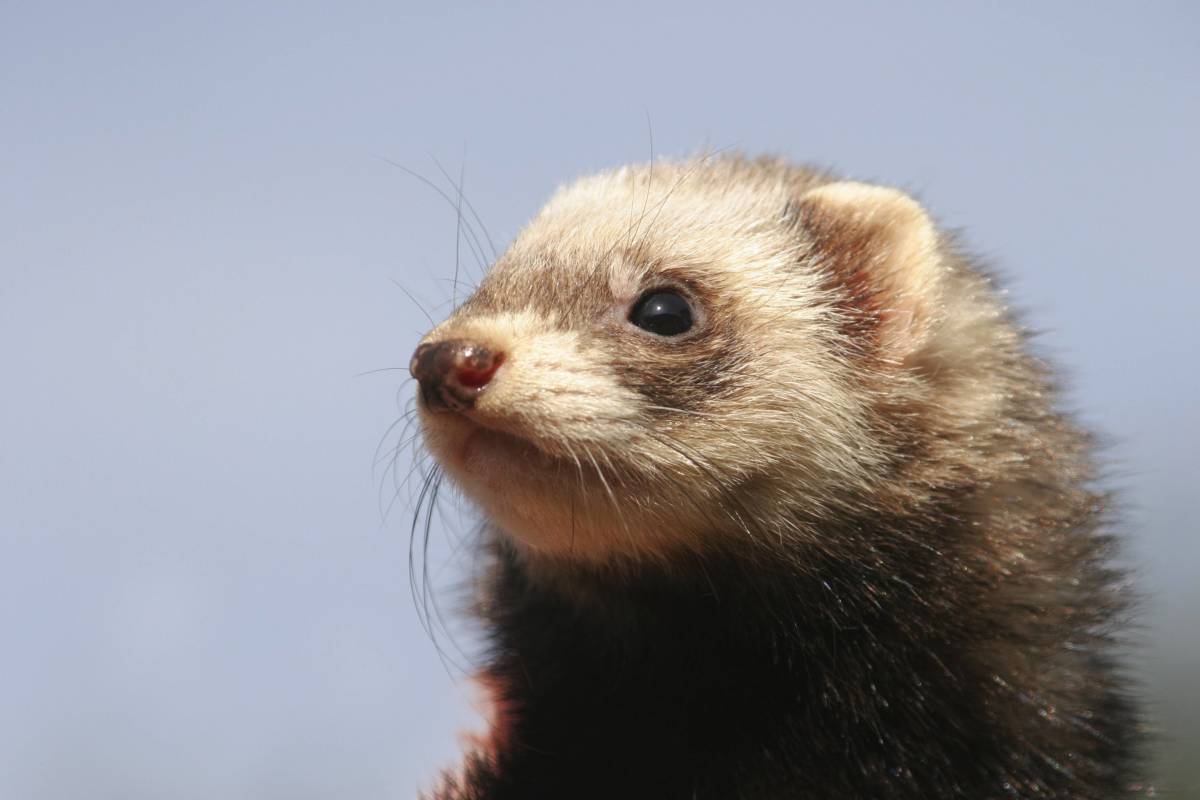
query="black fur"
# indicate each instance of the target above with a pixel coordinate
(755, 677)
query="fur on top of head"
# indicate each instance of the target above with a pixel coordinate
(841, 360)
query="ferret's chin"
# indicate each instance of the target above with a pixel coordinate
(530, 497)
(545, 504)
(522, 503)
(510, 478)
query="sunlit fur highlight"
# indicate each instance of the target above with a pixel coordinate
(855, 418)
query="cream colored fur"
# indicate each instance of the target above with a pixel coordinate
(570, 457)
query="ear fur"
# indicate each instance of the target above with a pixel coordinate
(879, 250)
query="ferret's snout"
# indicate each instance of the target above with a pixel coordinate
(454, 372)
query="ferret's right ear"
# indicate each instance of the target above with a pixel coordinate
(879, 251)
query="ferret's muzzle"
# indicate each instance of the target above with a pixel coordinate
(453, 373)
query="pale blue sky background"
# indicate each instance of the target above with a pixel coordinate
(198, 597)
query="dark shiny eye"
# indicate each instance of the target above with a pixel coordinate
(662, 312)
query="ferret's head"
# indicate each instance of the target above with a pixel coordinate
(704, 354)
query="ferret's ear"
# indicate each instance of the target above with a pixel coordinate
(879, 251)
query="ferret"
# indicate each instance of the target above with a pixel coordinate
(777, 503)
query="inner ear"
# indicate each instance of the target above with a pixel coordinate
(878, 250)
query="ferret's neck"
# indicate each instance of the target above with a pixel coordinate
(718, 682)
(727, 679)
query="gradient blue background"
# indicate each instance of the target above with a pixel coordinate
(199, 596)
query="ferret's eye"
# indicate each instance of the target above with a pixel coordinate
(663, 313)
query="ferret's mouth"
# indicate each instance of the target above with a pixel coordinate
(491, 453)
(483, 442)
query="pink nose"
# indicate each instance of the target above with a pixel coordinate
(454, 372)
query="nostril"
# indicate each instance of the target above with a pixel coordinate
(477, 367)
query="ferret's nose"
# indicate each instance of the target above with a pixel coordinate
(454, 372)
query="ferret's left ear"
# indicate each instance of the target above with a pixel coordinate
(879, 251)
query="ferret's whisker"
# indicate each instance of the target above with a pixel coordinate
(471, 208)
(472, 237)
(415, 301)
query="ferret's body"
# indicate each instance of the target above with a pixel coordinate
(779, 506)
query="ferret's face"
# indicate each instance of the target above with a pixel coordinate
(660, 361)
